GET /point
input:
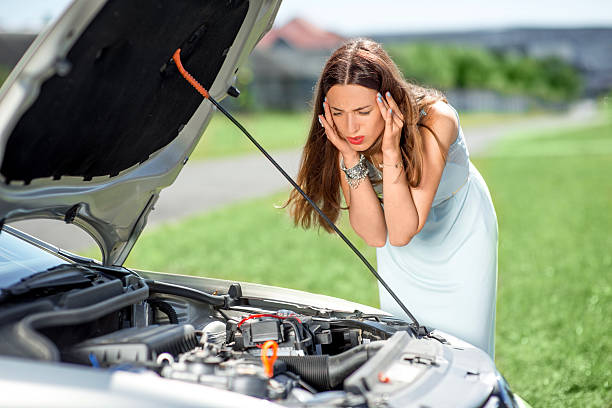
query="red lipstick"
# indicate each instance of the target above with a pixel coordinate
(355, 140)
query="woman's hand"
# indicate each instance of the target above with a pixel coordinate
(394, 122)
(350, 156)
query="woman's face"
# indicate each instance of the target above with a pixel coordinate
(356, 115)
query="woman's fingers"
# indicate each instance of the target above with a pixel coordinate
(330, 132)
(382, 104)
(387, 110)
(328, 118)
(329, 121)
(384, 107)
(398, 117)
(391, 104)
(389, 119)
(328, 114)
(397, 120)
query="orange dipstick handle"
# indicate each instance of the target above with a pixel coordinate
(177, 60)
(268, 361)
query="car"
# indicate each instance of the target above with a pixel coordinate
(95, 120)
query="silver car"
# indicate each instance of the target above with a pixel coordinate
(96, 120)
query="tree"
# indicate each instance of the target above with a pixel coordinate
(463, 67)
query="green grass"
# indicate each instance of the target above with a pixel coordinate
(273, 130)
(281, 131)
(578, 141)
(256, 242)
(553, 196)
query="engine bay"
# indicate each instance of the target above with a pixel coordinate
(111, 319)
(310, 356)
(287, 352)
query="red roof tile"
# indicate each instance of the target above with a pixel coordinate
(303, 35)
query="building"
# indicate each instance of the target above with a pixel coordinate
(287, 63)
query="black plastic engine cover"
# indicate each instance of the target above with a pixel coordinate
(134, 345)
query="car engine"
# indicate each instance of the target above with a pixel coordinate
(293, 355)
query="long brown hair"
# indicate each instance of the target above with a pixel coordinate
(357, 62)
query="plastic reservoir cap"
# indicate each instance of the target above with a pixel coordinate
(214, 332)
(268, 361)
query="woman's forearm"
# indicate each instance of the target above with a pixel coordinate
(365, 213)
(400, 212)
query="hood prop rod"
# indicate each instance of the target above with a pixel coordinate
(421, 330)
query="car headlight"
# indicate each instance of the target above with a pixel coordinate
(502, 396)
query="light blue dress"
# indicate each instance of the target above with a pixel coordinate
(447, 275)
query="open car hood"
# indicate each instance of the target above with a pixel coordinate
(96, 120)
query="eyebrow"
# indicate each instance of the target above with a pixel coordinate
(360, 108)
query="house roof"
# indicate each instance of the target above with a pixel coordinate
(287, 63)
(300, 34)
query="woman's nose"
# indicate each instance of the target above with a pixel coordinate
(352, 123)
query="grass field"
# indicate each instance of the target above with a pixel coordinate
(553, 196)
(274, 130)
(256, 242)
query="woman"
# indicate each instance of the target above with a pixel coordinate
(397, 153)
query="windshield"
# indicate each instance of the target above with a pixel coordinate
(20, 259)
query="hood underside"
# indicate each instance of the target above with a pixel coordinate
(96, 119)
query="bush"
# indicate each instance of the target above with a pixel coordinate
(460, 67)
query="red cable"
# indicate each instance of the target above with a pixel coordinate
(258, 315)
(265, 315)
(177, 60)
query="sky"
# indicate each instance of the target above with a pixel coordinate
(359, 17)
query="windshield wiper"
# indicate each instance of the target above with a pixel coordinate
(176, 58)
(58, 278)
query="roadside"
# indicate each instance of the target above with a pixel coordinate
(554, 259)
(206, 185)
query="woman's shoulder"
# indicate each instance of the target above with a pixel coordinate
(442, 119)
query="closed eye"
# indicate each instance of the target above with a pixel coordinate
(363, 113)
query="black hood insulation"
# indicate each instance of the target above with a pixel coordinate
(122, 99)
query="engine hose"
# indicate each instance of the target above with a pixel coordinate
(165, 308)
(326, 372)
(189, 293)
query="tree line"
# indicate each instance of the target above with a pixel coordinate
(458, 67)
